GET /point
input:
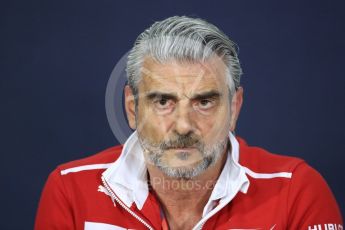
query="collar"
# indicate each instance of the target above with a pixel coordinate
(231, 180)
(127, 176)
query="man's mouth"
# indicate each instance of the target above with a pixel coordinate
(184, 149)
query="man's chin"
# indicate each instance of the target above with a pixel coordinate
(180, 173)
(188, 171)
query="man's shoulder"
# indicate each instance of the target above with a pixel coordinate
(291, 185)
(261, 160)
(100, 160)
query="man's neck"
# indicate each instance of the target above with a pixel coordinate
(183, 200)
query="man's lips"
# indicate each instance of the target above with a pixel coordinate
(183, 149)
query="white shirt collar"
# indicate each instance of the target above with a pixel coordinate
(231, 180)
(127, 177)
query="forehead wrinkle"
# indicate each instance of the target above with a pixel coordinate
(182, 87)
(188, 80)
(150, 75)
(175, 67)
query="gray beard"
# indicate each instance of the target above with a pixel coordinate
(210, 155)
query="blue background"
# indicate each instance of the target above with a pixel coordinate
(57, 57)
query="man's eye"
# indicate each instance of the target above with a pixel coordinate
(163, 103)
(206, 104)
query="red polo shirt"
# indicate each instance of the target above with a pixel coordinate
(266, 191)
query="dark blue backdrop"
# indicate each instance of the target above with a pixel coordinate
(57, 57)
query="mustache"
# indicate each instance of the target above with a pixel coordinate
(181, 141)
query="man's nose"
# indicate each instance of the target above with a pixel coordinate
(183, 119)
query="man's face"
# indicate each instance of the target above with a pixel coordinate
(183, 115)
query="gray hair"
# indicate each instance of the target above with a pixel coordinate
(182, 39)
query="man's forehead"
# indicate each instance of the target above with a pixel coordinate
(210, 73)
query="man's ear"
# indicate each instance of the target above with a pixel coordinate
(130, 107)
(236, 105)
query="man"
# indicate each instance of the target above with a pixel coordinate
(183, 168)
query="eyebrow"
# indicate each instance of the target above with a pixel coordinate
(172, 96)
(155, 94)
(205, 95)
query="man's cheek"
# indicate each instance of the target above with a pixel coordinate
(151, 132)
